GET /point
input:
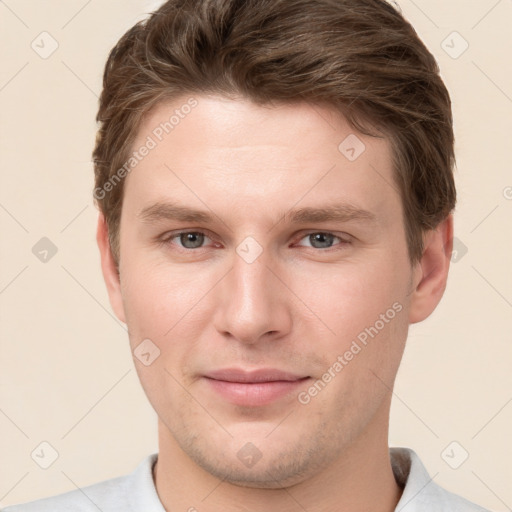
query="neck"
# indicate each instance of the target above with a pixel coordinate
(360, 479)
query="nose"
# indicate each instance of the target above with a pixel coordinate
(253, 304)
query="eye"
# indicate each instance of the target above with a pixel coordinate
(323, 240)
(188, 239)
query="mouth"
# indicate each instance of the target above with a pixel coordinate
(254, 388)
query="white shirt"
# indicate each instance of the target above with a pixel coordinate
(136, 492)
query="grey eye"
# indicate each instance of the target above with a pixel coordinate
(191, 240)
(321, 240)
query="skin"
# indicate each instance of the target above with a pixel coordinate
(296, 308)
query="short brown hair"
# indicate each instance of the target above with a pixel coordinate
(361, 57)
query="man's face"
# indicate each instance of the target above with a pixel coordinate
(267, 283)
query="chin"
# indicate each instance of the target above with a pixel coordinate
(270, 465)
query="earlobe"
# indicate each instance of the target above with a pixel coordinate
(431, 272)
(109, 268)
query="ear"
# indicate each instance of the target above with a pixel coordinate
(431, 272)
(109, 269)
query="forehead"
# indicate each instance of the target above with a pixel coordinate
(218, 151)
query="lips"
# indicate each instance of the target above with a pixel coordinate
(254, 387)
(253, 376)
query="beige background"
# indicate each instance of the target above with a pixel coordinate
(66, 374)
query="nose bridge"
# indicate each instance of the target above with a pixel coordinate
(251, 305)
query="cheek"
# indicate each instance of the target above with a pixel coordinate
(163, 329)
(347, 297)
(156, 295)
(365, 309)
(170, 308)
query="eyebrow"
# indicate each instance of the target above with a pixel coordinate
(337, 213)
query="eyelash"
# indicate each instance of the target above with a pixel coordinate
(171, 236)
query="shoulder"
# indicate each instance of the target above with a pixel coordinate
(420, 492)
(116, 494)
(87, 499)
